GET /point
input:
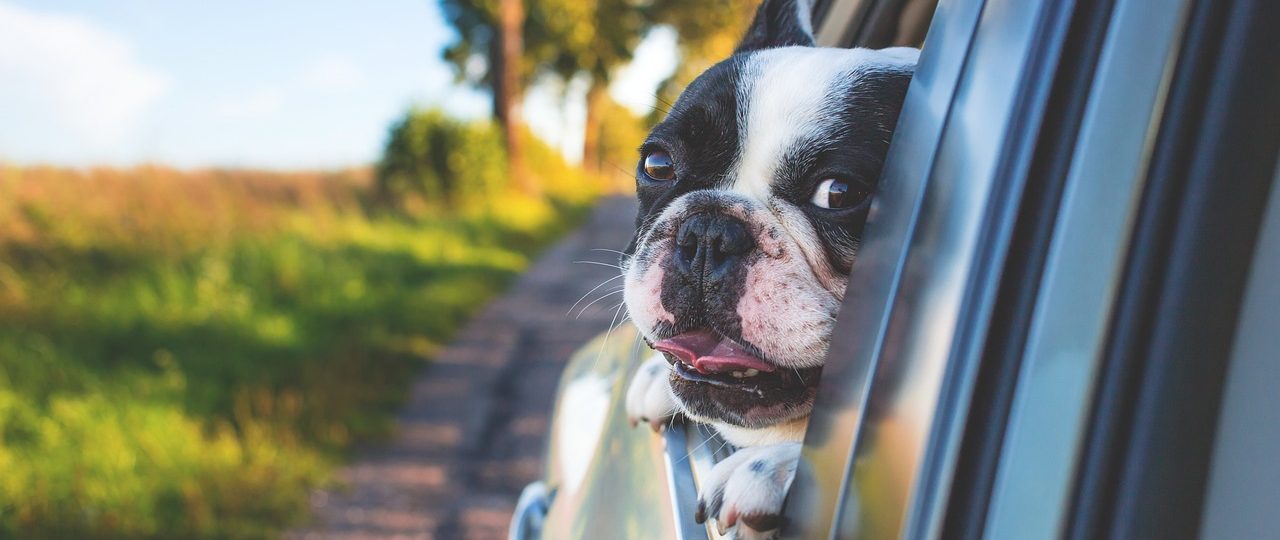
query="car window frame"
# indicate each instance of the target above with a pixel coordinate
(819, 493)
(954, 367)
(1054, 375)
(997, 100)
(1145, 470)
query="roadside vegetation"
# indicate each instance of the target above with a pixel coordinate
(187, 353)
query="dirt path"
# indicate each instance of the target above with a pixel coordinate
(471, 435)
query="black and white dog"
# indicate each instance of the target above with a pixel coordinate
(753, 193)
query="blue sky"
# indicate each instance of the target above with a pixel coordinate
(279, 84)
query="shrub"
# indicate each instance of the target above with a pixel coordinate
(433, 164)
(439, 162)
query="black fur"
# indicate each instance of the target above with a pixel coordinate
(777, 24)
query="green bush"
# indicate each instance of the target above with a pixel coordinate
(433, 163)
(434, 160)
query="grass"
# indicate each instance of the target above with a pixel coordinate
(188, 353)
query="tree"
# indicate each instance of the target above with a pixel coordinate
(565, 38)
(594, 39)
(562, 38)
(497, 27)
(708, 32)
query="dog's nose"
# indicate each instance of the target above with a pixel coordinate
(708, 245)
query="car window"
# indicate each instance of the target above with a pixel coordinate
(1242, 495)
(874, 24)
(889, 427)
(1076, 292)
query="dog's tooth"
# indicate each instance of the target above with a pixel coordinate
(752, 372)
(739, 375)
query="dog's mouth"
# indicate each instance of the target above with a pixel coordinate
(703, 356)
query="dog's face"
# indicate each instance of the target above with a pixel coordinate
(753, 192)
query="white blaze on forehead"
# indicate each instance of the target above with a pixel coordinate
(788, 94)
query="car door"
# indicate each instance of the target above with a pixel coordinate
(1037, 329)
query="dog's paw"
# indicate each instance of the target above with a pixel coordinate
(745, 491)
(649, 397)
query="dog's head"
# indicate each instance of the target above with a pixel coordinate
(753, 193)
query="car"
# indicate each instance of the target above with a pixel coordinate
(1062, 320)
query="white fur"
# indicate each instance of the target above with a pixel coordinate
(735, 487)
(784, 97)
(649, 397)
(740, 437)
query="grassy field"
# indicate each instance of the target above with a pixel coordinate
(186, 353)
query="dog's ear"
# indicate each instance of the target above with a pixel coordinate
(779, 23)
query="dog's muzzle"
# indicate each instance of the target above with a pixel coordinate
(709, 246)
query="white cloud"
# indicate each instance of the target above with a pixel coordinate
(81, 84)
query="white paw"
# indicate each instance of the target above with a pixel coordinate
(649, 397)
(745, 491)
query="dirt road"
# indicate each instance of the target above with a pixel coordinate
(471, 435)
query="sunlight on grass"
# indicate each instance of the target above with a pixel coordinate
(187, 354)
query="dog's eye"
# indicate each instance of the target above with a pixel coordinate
(834, 194)
(658, 166)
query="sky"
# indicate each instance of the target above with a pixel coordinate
(284, 84)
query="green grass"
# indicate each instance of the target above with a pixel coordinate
(188, 354)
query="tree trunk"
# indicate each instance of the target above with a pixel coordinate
(507, 91)
(592, 154)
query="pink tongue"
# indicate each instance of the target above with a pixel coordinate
(709, 353)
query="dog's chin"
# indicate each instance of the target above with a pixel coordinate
(758, 404)
(719, 379)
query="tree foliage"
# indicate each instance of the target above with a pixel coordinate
(561, 37)
(570, 38)
(566, 38)
(708, 32)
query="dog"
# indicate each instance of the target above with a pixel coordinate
(753, 194)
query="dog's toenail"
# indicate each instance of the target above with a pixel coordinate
(762, 522)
